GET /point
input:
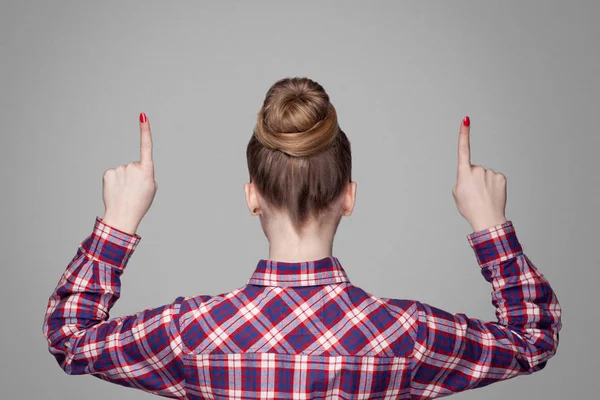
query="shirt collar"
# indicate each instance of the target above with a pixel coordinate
(324, 271)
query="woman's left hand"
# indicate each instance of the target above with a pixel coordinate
(128, 191)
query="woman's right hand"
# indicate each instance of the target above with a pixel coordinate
(479, 193)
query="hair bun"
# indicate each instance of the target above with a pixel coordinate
(297, 118)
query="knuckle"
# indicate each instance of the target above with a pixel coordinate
(478, 169)
(108, 173)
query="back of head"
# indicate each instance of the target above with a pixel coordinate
(298, 157)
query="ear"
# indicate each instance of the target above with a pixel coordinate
(251, 198)
(349, 198)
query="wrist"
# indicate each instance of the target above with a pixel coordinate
(120, 224)
(482, 225)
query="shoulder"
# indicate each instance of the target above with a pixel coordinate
(400, 315)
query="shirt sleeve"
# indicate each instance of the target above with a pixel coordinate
(141, 351)
(453, 352)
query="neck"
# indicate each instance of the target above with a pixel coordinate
(286, 245)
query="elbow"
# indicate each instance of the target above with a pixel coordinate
(540, 363)
(554, 346)
(544, 351)
(543, 342)
(62, 355)
(552, 340)
(61, 359)
(57, 346)
(61, 344)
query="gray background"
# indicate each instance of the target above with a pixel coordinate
(75, 75)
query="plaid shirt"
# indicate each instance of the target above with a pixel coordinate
(300, 330)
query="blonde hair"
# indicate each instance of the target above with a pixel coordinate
(298, 157)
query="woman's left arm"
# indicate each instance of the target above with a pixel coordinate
(142, 351)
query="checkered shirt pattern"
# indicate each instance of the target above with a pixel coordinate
(300, 330)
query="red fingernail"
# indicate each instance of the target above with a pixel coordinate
(142, 117)
(466, 121)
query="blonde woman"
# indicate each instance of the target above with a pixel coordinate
(299, 329)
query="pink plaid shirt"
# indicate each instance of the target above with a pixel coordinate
(300, 330)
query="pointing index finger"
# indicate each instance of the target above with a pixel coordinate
(145, 140)
(464, 144)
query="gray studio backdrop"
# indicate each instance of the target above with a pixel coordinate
(75, 75)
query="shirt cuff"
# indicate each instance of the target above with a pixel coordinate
(110, 245)
(495, 244)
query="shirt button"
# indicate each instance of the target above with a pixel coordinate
(67, 344)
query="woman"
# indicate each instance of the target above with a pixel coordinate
(299, 328)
